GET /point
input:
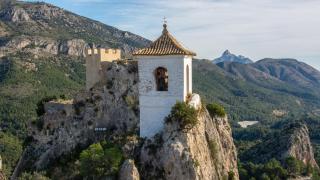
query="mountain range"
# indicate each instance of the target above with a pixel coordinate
(227, 56)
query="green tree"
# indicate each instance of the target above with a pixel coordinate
(10, 151)
(264, 176)
(315, 175)
(33, 176)
(308, 169)
(274, 170)
(293, 166)
(99, 160)
(243, 173)
(90, 161)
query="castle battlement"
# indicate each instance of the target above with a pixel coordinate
(94, 57)
(103, 54)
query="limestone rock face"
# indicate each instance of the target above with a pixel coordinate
(110, 109)
(206, 151)
(300, 146)
(293, 140)
(42, 46)
(74, 47)
(16, 14)
(129, 171)
(61, 31)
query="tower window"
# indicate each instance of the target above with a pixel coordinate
(161, 76)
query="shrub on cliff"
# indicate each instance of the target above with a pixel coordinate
(10, 151)
(294, 166)
(100, 160)
(184, 114)
(216, 110)
(33, 176)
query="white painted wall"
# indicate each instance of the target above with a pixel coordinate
(156, 105)
(187, 62)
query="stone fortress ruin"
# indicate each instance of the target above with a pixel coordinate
(164, 70)
(165, 77)
(94, 58)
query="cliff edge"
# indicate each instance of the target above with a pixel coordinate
(205, 151)
(110, 111)
(292, 141)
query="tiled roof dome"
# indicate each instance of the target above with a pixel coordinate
(166, 44)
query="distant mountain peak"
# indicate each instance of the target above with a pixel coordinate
(226, 52)
(227, 56)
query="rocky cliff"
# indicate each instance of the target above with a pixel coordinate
(292, 141)
(42, 54)
(44, 29)
(206, 151)
(110, 111)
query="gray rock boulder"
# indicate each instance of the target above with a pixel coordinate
(74, 47)
(15, 14)
(129, 171)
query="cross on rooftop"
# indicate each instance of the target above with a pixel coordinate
(164, 20)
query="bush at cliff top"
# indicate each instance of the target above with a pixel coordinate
(184, 114)
(100, 160)
(216, 110)
(32, 176)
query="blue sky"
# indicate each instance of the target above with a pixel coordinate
(253, 28)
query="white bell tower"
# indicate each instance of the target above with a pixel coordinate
(165, 77)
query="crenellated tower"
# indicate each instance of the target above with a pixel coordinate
(94, 57)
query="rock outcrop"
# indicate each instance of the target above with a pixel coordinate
(129, 171)
(41, 46)
(74, 47)
(44, 29)
(299, 144)
(229, 57)
(204, 152)
(110, 110)
(15, 14)
(292, 141)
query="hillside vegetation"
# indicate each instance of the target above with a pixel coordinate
(41, 56)
(272, 92)
(247, 95)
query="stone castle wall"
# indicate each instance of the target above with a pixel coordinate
(105, 54)
(94, 57)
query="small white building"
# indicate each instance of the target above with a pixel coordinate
(165, 75)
